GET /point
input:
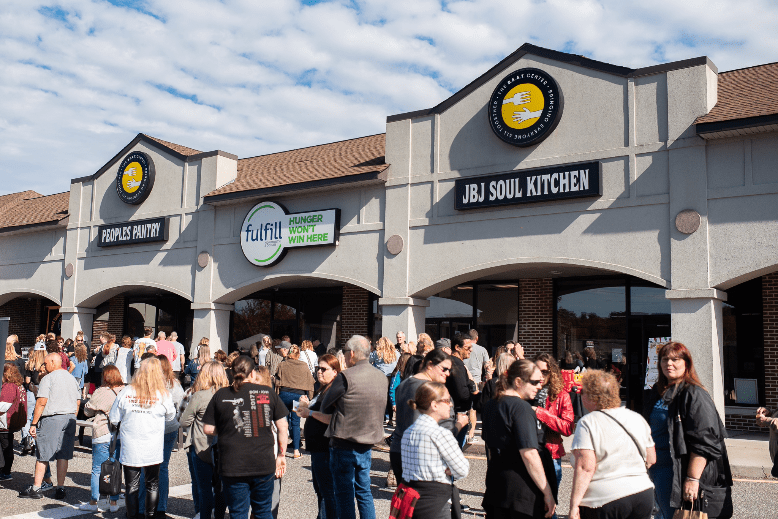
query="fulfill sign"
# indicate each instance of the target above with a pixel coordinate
(268, 231)
(129, 233)
(135, 178)
(531, 185)
(525, 107)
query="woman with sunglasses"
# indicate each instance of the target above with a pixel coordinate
(435, 367)
(517, 483)
(315, 441)
(554, 410)
(431, 457)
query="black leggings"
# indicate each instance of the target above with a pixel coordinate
(7, 446)
(132, 487)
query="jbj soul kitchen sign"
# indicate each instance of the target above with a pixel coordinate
(529, 185)
(268, 231)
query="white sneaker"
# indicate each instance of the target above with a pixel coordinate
(113, 508)
(88, 507)
(197, 516)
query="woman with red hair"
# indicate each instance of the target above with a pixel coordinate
(692, 462)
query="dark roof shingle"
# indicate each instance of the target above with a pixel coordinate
(326, 161)
(748, 92)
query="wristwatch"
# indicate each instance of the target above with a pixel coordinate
(34, 424)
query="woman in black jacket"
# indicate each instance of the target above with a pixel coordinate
(689, 437)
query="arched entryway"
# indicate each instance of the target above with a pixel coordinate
(128, 310)
(31, 314)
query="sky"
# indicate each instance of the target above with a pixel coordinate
(80, 78)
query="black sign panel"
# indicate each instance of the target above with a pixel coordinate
(135, 178)
(129, 233)
(530, 185)
(525, 107)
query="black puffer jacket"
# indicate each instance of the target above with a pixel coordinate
(695, 427)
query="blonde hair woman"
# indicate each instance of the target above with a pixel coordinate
(11, 356)
(212, 378)
(196, 363)
(141, 410)
(385, 356)
(309, 356)
(32, 378)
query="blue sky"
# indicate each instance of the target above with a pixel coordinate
(81, 77)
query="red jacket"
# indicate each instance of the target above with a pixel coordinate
(560, 421)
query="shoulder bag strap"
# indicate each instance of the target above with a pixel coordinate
(629, 433)
(114, 439)
(308, 360)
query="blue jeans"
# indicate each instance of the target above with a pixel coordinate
(164, 481)
(209, 489)
(558, 471)
(254, 490)
(190, 456)
(662, 476)
(100, 455)
(322, 484)
(294, 421)
(30, 410)
(351, 477)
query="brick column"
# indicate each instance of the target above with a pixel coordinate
(355, 312)
(536, 316)
(770, 327)
(117, 306)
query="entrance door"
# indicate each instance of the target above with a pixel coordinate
(641, 329)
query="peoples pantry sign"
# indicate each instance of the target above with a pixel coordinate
(268, 231)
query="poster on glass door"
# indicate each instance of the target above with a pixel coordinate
(652, 362)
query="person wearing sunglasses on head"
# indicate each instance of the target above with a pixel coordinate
(518, 485)
(431, 457)
(435, 367)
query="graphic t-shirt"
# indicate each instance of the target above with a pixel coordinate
(243, 421)
(140, 347)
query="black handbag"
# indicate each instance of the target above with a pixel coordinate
(111, 471)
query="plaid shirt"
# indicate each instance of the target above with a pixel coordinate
(428, 449)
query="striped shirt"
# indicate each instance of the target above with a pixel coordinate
(428, 450)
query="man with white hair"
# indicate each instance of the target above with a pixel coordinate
(166, 348)
(356, 400)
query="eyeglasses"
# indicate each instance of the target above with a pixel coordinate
(445, 401)
(319, 368)
(444, 369)
(545, 372)
(535, 382)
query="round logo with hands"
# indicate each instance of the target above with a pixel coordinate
(525, 107)
(135, 178)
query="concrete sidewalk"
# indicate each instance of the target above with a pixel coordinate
(749, 455)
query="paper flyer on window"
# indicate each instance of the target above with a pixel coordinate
(652, 362)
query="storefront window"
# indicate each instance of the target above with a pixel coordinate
(450, 311)
(498, 314)
(299, 313)
(591, 316)
(744, 383)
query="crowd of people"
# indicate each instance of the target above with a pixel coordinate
(240, 410)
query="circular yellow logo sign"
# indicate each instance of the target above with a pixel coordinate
(525, 107)
(132, 177)
(135, 178)
(522, 106)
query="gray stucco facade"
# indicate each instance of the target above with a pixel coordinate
(638, 124)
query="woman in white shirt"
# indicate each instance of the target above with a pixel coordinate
(308, 356)
(124, 358)
(141, 410)
(431, 458)
(612, 448)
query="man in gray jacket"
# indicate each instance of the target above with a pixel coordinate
(356, 399)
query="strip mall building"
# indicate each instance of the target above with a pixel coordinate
(557, 200)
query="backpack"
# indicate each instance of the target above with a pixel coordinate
(17, 415)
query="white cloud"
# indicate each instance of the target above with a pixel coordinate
(82, 77)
